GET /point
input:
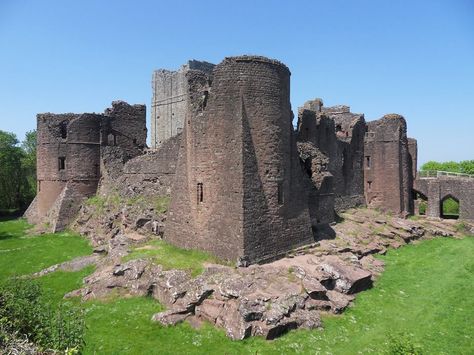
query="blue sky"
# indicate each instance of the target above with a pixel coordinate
(415, 58)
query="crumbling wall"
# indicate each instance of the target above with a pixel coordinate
(348, 165)
(338, 135)
(152, 173)
(170, 100)
(124, 125)
(238, 183)
(317, 147)
(388, 171)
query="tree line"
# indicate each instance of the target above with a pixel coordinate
(17, 171)
(465, 166)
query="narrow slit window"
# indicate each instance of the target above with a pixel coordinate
(63, 129)
(369, 185)
(281, 197)
(367, 159)
(200, 193)
(62, 163)
(111, 139)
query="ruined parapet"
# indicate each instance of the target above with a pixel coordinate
(238, 187)
(388, 171)
(170, 100)
(123, 137)
(124, 125)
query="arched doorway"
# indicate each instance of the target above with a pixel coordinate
(449, 207)
(421, 203)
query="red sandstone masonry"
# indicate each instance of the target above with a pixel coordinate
(240, 152)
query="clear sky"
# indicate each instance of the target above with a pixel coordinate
(412, 57)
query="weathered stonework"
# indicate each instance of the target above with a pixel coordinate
(436, 189)
(238, 185)
(69, 157)
(388, 165)
(170, 100)
(330, 144)
(243, 184)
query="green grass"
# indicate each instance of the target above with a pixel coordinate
(424, 296)
(22, 254)
(171, 257)
(114, 201)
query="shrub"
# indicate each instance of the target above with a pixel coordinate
(401, 344)
(25, 312)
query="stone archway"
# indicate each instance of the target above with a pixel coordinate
(449, 207)
(420, 202)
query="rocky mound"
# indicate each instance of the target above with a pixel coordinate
(265, 300)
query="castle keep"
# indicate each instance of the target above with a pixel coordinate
(239, 181)
(243, 183)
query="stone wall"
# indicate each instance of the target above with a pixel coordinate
(150, 174)
(388, 171)
(170, 100)
(238, 184)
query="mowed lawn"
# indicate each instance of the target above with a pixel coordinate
(425, 297)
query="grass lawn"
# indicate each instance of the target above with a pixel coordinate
(171, 257)
(24, 254)
(426, 293)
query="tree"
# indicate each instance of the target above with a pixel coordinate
(11, 180)
(465, 166)
(17, 171)
(29, 165)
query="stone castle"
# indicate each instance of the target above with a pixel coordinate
(244, 184)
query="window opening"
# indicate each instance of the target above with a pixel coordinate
(63, 129)
(280, 194)
(200, 193)
(61, 163)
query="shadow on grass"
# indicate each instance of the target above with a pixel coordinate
(5, 236)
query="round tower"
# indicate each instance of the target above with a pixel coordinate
(68, 150)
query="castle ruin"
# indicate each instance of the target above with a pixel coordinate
(243, 183)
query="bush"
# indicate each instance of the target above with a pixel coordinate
(401, 344)
(25, 312)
